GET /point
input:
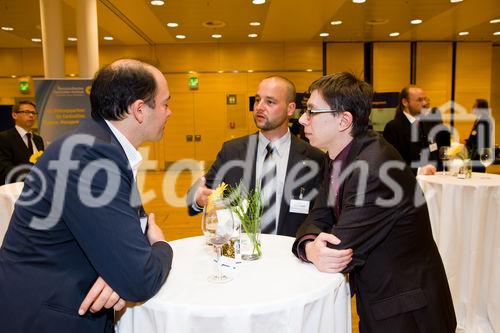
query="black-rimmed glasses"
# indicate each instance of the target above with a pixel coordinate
(33, 113)
(310, 112)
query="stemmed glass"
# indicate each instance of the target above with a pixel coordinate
(486, 157)
(443, 155)
(217, 225)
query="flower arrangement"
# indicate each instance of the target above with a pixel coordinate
(458, 150)
(216, 195)
(35, 156)
(460, 164)
(248, 207)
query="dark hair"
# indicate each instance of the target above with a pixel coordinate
(290, 87)
(18, 105)
(404, 94)
(344, 91)
(481, 103)
(117, 86)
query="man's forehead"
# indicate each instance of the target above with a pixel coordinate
(26, 107)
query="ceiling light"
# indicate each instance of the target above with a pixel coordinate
(255, 24)
(180, 36)
(324, 34)
(463, 33)
(456, 1)
(7, 28)
(13, 76)
(236, 71)
(108, 38)
(496, 33)
(336, 22)
(36, 40)
(157, 2)
(258, 2)
(72, 75)
(216, 36)
(250, 71)
(309, 70)
(394, 34)
(172, 25)
(492, 21)
(416, 21)
(220, 71)
(253, 35)
(72, 39)
(358, 1)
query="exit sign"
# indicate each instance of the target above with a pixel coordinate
(193, 82)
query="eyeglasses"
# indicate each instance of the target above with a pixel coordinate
(311, 112)
(33, 113)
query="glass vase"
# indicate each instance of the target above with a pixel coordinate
(250, 247)
(465, 170)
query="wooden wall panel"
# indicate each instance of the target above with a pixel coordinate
(11, 64)
(187, 57)
(391, 66)
(342, 57)
(303, 56)
(495, 90)
(434, 61)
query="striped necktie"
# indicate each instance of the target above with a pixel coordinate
(268, 185)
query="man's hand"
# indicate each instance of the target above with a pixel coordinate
(428, 169)
(202, 193)
(324, 258)
(101, 295)
(154, 233)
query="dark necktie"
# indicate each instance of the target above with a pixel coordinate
(268, 186)
(30, 144)
(335, 187)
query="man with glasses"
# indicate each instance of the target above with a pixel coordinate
(18, 144)
(366, 221)
(285, 167)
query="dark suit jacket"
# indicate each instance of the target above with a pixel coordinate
(14, 152)
(479, 137)
(399, 278)
(241, 154)
(47, 268)
(415, 151)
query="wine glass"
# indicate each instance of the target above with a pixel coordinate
(443, 155)
(486, 157)
(217, 226)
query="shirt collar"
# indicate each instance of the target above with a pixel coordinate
(22, 132)
(279, 145)
(411, 118)
(133, 156)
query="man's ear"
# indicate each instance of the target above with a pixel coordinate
(136, 110)
(290, 109)
(404, 101)
(345, 121)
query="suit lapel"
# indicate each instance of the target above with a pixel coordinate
(19, 142)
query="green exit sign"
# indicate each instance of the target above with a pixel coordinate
(24, 86)
(193, 82)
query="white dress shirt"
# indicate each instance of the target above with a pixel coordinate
(133, 155)
(22, 132)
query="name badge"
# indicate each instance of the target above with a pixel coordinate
(433, 147)
(144, 223)
(299, 206)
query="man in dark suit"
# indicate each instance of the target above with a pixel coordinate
(295, 163)
(480, 134)
(77, 235)
(366, 220)
(18, 144)
(409, 133)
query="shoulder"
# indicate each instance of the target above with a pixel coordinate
(8, 133)
(302, 147)
(376, 150)
(240, 142)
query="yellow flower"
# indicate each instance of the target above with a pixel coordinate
(216, 194)
(35, 156)
(455, 150)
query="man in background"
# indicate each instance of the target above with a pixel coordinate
(407, 133)
(79, 236)
(18, 144)
(284, 166)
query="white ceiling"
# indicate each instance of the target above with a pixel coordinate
(135, 22)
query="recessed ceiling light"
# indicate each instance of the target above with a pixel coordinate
(253, 35)
(394, 34)
(7, 28)
(157, 2)
(336, 22)
(36, 40)
(180, 36)
(495, 21)
(236, 71)
(324, 34)
(416, 21)
(108, 38)
(258, 2)
(72, 75)
(309, 70)
(172, 25)
(13, 76)
(72, 39)
(216, 36)
(456, 1)
(463, 33)
(358, 1)
(496, 33)
(250, 71)
(220, 71)
(255, 24)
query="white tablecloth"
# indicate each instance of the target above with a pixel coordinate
(8, 196)
(276, 293)
(465, 218)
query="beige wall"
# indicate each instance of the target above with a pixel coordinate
(391, 66)
(345, 57)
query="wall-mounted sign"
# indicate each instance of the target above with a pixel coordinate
(231, 99)
(193, 82)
